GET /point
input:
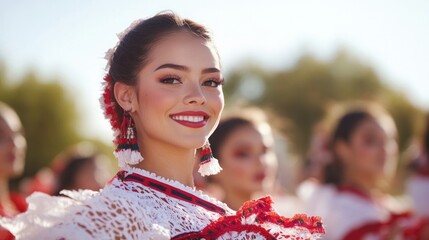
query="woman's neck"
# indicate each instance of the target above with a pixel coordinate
(7, 207)
(4, 189)
(169, 162)
(235, 199)
(365, 184)
(4, 192)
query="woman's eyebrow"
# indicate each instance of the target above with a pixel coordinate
(173, 66)
(186, 69)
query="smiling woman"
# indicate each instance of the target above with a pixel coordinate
(163, 97)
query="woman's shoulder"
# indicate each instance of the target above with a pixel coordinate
(137, 202)
(44, 212)
(82, 214)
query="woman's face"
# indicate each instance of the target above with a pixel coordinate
(179, 92)
(248, 160)
(12, 146)
(372, 149)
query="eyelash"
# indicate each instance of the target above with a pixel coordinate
(170, 79)
(217, 82)
(212, 82)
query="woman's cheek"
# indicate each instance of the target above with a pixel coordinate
(240, 170)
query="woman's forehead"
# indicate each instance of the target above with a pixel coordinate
(10, 120)
(184, 48)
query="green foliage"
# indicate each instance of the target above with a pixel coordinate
(301, 94)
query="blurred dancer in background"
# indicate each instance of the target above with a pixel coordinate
(80, 167)
(244, 146)
(418, 183)
(12, 156)
(350, 197)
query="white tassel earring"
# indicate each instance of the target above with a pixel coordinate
(127, 151)
(209, 165)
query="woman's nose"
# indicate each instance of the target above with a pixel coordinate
(195, 95)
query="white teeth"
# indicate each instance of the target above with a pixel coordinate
(189, 118)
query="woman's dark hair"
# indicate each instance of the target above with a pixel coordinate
(132, 52)
(426, 137)
(67, 165)
(223, 131)
(73, 166)
(343, 131)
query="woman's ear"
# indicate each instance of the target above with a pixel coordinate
(125, 96)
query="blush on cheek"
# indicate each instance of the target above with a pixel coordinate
(215, 101)
(155, 103)
(240, 172)
(369, 160)
(150, 97)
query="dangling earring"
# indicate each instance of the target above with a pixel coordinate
(209, 165)
(127, 151)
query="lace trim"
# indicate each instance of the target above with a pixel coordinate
(217, 231)
(257, 218)
(176, 184)
(170, 191)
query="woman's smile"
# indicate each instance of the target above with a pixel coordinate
(192, 119)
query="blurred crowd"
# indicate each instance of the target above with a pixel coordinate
(347, 179)
(81, 166)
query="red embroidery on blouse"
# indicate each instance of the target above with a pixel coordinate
(264, 213)
(405, 225)
(169, 190)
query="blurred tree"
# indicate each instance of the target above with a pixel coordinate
(301, 94)
(3, 76)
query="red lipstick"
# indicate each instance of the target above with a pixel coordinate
(192, 119)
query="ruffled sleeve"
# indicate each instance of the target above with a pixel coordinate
(83, 215)
(257, 219)
(43, 213)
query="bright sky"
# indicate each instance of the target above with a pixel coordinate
(69, 38)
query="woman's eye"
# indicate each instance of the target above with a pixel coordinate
(213, 83)
(374, 141)
(241, 154)
(171, 80)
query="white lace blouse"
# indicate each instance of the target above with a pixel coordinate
(137, 204)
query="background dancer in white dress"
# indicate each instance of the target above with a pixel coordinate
(350, 198)
(418, 182)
